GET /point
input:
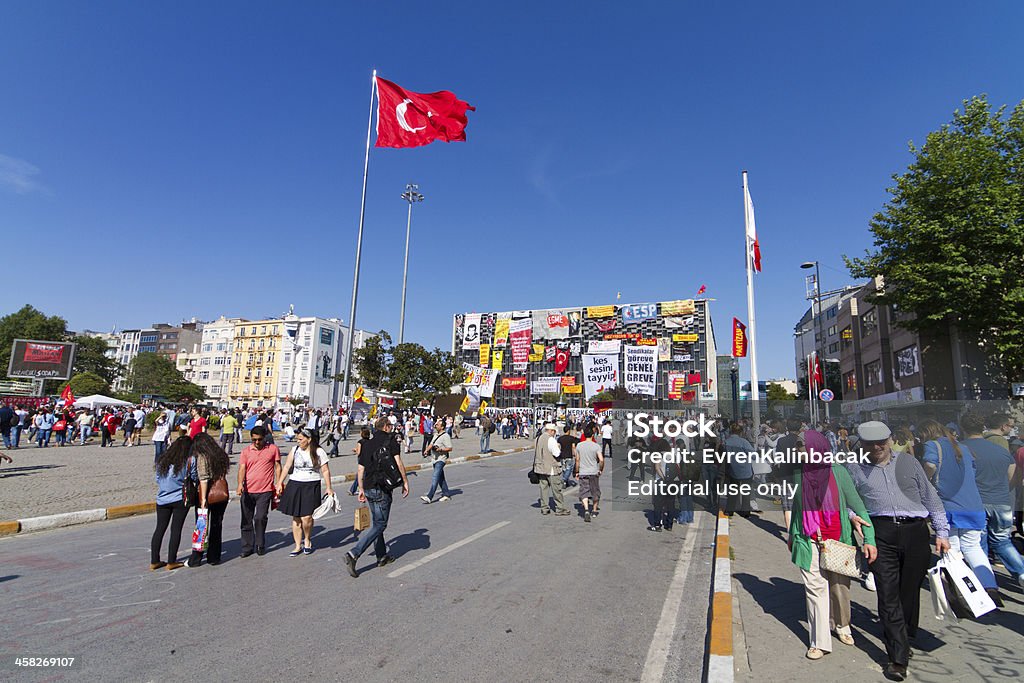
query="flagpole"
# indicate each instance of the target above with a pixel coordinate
(755, 392)
(359, 247)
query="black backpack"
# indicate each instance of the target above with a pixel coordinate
(384, 471)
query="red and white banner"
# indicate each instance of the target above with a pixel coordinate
(561, 359)
(411, 119)
(43, 353)
(513, 383)
(739, 339)
(520, 334)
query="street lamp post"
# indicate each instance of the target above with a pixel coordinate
(819, 343)
(412, 196)
(734, 376)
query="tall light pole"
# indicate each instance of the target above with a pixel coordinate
(412, 196)
(819, 343)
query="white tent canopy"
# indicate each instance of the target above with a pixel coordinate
(99, 401)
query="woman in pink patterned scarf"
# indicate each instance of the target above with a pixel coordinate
(824, 494)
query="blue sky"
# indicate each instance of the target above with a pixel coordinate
(195, 159)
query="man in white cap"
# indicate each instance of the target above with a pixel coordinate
(900, 500)
(549, 471)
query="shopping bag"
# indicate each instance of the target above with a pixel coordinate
(200, 536)
(938, 590)
(969, 597)
(362, 520)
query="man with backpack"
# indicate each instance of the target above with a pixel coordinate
(486, 429)
(381, 470)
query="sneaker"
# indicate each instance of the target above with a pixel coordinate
(350, 564)
(654, 528)
(869, 582)
(188, 564)
(562, 513)
(425, 499)
(586, 516)
(895, 672)
(443, 499)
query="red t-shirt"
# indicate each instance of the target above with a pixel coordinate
(196, 427)
(259, 467)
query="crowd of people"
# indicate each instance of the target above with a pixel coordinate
(954, 487)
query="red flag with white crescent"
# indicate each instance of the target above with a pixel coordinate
(411, 119)
(561, 360)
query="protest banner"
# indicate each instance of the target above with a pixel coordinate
(600, 373)
(520, 337)
(471, 331)
(640, 371)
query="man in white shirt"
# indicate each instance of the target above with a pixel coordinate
(549, 471)
(606, 438)
(84, 421)
(140, 422)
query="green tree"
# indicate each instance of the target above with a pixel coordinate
(552, 397)
(420, 374)
(89, 383)
(372, 360)
(950, 240)
(90, 356)
(154, 374)
(776, 392)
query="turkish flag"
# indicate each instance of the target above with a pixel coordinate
(68, 396)
(561, 360)
(412, 119)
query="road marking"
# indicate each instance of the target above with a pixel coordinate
(127, 604)
(470, 483)
(657, 654)
(527, 468)
(445, 551)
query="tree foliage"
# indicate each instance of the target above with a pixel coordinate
(372, 359)
(90, 356)
(154, 374)
(420, 374)
(950, 240)
(776, 392)
(89, 383)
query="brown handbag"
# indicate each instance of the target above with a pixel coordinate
(218, 492)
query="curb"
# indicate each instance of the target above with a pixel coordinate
(63, 519)
(720, 646)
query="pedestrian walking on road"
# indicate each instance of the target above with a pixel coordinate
(259, 467)
(161, 434)
(108, 427)
(549, 471)
(172, 469)
(307, 463)
(129, 429)
(439, 451)
(607, 432)
(212, 465)
(84, 421)
(567, 444)
(900, 501)
(8, 420)
(952, 469)
(44, 427)
(374, 491)
(819, 513)
(589, 466)
(486, 428)
(228, 424)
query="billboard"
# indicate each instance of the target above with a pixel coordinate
(41, 359)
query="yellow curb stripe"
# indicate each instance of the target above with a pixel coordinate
(119, 511)
(722, 547)
(8, 528)
(721, 625)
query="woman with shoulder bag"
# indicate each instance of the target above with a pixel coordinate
(305, 465)
(950, 466)
(174, 470)
(212, 465)
(824, 494)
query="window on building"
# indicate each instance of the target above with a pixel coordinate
(833, 348)
(270, 357)
(222, 346)
(148, 338)
(287, 358)
(204, 361)
(220, 360)
(869, 322)
(302, 387)
(275, 330)
(252, 343)
(850, 381)
(873, 373)
(207, 348)
(253, 331)
(236, 372)
(204, 375)
(832, 331)
(831, 312)
(214, 391)
(268, 372)
(241, 331)
(271, 342)
(908, 362)
(263, 330)
(266, 388)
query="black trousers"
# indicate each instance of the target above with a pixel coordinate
(738, 502)
(174, 515)
(255, 508)
(107, 438)
(606, 443)
(664, 509)
(903, 558)
(215, 535)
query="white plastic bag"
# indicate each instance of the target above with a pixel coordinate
(972, 593)
(939, 602)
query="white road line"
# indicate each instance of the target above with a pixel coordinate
(527, 468)
(128, 604)
(657, 654)
(445, 551)
(470, 483)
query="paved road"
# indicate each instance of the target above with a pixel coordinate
(485, 588)
(44, 481)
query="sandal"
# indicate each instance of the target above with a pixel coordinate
(295, 553)
(815, 653)
(845, 638)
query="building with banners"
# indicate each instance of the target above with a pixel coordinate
(662, 353)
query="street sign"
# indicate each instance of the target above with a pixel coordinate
(826, 395)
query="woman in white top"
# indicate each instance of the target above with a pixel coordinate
(302, 495)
